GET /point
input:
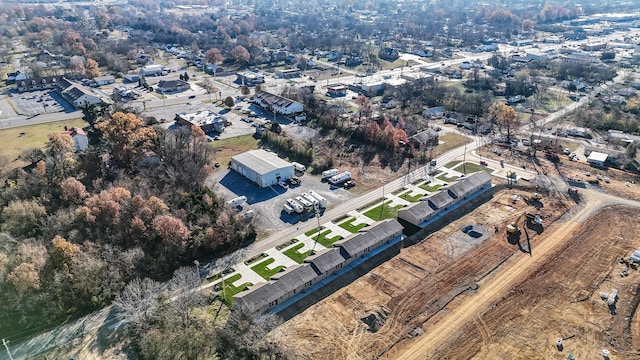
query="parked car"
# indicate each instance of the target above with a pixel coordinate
(294, 181)
(245, 119)
(192, 97)
(283, 185)
(349, 184)
(483, 163)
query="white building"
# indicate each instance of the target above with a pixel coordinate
(597, 158)
(152, 70)
(276, 103)
(262, 167)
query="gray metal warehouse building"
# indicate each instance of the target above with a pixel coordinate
(262, 167)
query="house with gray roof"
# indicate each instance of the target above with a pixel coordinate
(468, 185)
(439, 201)
(354, 247)
(457, 192)
(417, 213)
(326, 262)
(281, 287)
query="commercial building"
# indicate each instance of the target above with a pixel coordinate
(262, 167)
(288, 73)
(276, 103)
(597, 158)
(152, 70)
(249, 78)
(205, 120)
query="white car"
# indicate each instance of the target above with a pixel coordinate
(283, 185)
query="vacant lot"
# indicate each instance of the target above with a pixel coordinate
(561, 299)
(15, 140)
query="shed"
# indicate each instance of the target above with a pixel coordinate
(262, 167)
(597, 158)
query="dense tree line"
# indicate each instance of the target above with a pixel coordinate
(77, 227)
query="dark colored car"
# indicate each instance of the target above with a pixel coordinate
(192, 97)
(349, 184)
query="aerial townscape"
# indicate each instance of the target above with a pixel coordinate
(322, 179)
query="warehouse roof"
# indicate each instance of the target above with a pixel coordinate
(261, 161)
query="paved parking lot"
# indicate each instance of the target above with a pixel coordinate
(268, 202)
(39, 102)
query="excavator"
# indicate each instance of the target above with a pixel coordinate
(532, 218)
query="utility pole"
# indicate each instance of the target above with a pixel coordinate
(6, 346)
(197, 264)
(317, 236)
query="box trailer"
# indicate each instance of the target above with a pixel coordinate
(295, 206)
(239, 201)
(340, 178)
(329, 173)
(321, 200)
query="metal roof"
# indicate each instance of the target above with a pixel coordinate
(261, 161)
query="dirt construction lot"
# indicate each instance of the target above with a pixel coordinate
(421, 287)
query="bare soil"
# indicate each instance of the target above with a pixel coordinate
(561, 299)
(415, 286)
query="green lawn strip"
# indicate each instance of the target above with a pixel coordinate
(348, 225)
(263, 270)
(430, 188)
(444, 178)
(381, 212)
(325, 241)
(230, 289)
(469, 168)
(297, 256)
(452, 164)
(312, 231)
(411, 198)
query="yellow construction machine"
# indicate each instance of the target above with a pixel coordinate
(532, 218)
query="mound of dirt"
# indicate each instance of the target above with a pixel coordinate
(376, 318)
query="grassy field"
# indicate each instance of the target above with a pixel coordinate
(263, 270)
(450, 142)
(430, 188)
(383, 211)
(411, 198)
(297, 256)
(452, 164)
(469, 168)
(226, 148)
(230, 289)
(348, 225)
(35, 136)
